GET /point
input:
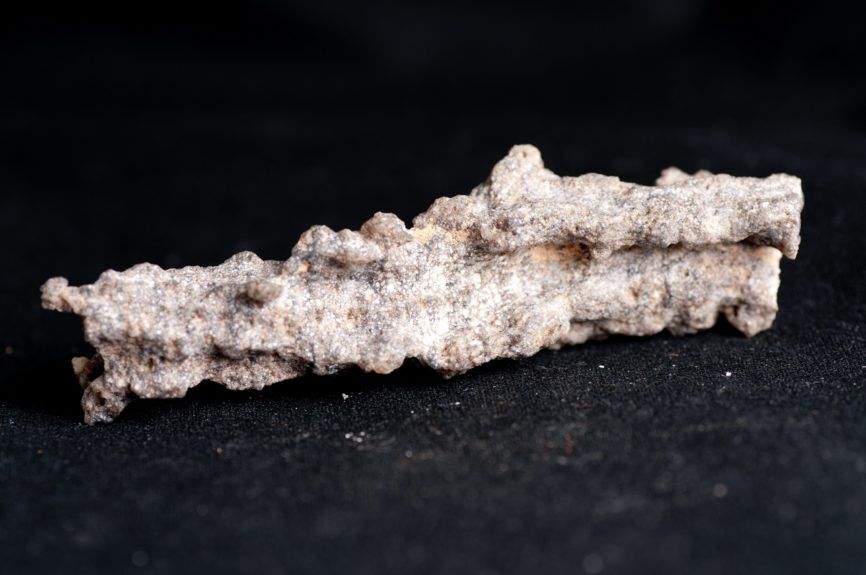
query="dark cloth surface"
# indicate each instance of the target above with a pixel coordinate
(704, 454)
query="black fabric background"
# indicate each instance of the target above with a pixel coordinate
(181, 133)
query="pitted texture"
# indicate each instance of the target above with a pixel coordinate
(528, 260)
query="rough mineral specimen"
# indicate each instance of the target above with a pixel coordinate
(528, 260)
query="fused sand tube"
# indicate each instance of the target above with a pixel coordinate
(528, 260)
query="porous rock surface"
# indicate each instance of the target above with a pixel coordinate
(528, 260)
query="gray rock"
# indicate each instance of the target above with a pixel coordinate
(528, 260)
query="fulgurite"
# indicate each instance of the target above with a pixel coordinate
(528, 260)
